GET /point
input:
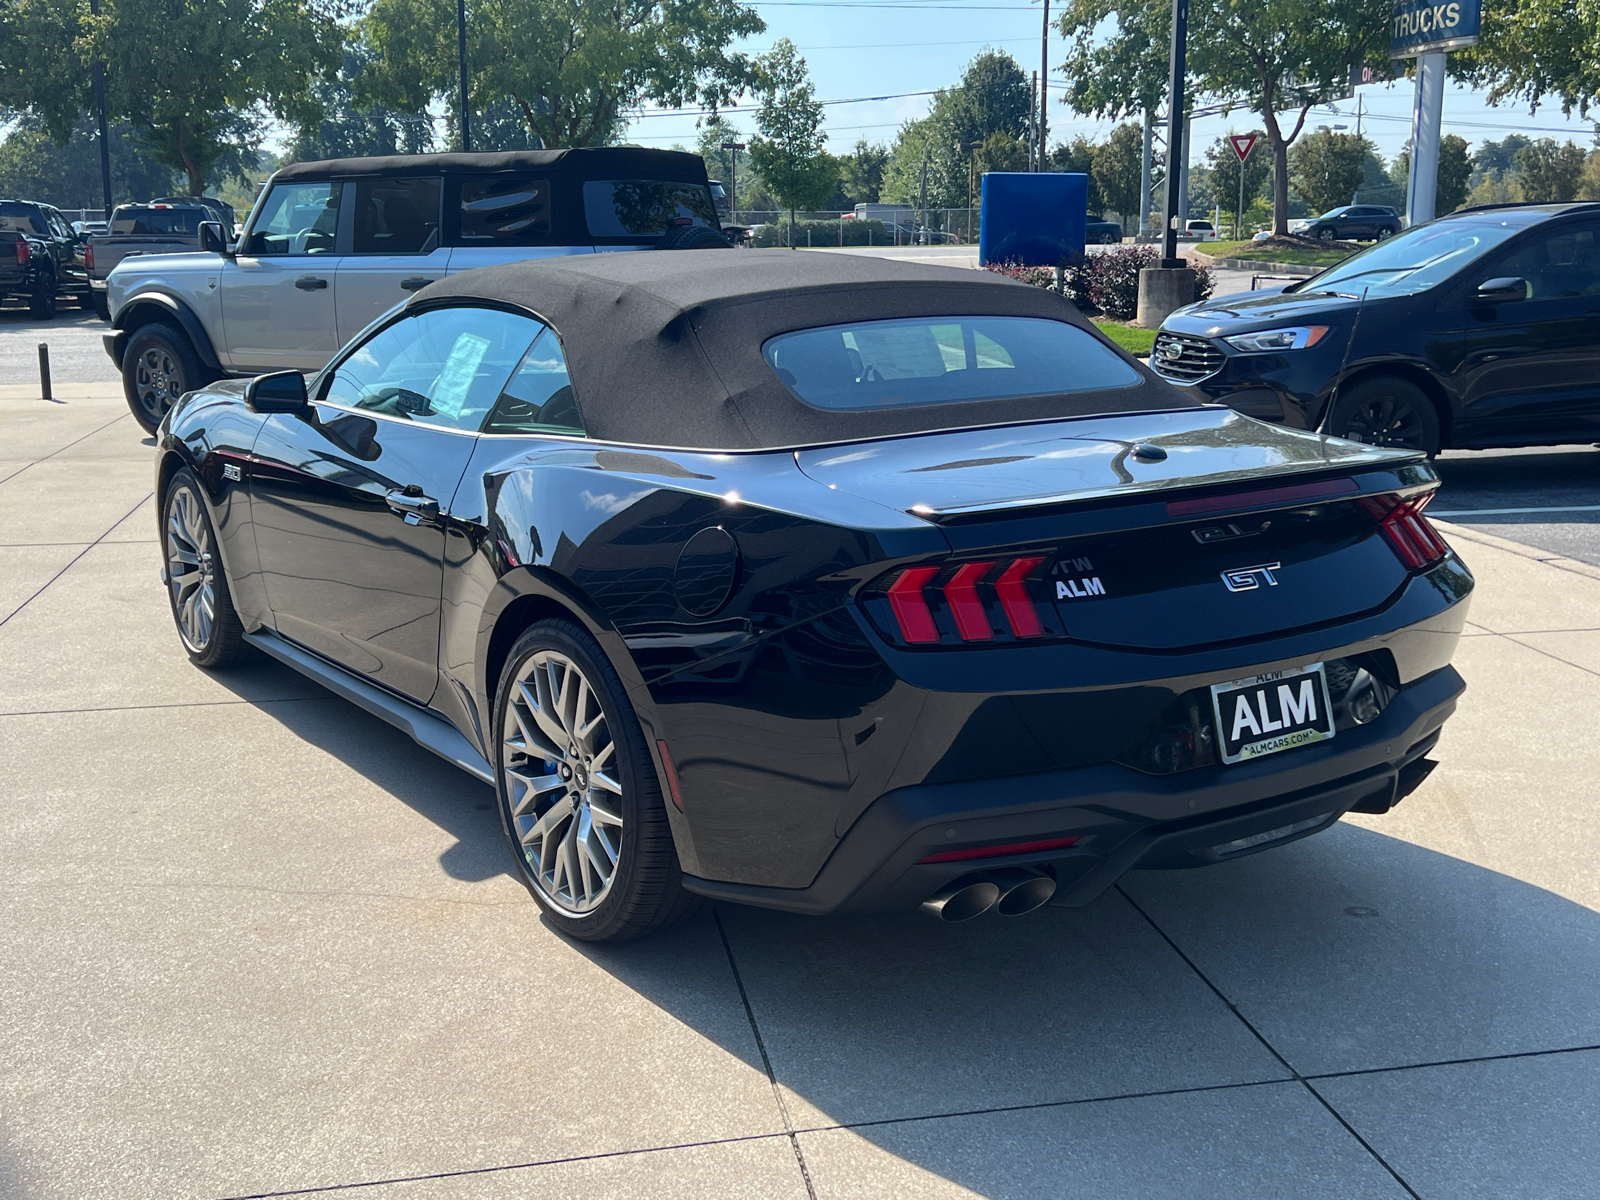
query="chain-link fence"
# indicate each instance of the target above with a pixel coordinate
(933, 227)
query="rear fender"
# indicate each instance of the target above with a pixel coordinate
(158, 306)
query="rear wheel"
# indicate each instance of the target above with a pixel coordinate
(42, 304)
(197, 585)
(1325, 234)
(693, 237)
(1385, 232)
(158, 367)
(1387, 411)
(578, 793)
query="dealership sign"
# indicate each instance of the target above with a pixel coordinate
(1421, 27)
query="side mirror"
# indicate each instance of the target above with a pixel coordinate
(279, 392)
(212, 239)
(1501, 291)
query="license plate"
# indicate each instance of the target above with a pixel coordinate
(1268, 713)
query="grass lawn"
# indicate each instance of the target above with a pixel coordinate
(1131, 338)
(1267, 252)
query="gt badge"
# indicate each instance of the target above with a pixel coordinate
(1248, 579)
(231, 471)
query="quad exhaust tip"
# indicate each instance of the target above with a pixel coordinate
(1010, 892)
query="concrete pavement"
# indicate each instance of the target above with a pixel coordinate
(254, 942)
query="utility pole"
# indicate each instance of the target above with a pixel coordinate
(972, 178)
(461, 52)
(733, 180)
(1183, 183)
(97, 72)
(1044, 82)
(1033, 130)
(1146, 154)
(922, 197)
(1175, 116)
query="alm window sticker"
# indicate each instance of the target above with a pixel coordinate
(449, 391)
(1076, 580)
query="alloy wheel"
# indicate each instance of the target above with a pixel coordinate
(158, 380)
(191, 570)
(561, 781)
(1387, 421)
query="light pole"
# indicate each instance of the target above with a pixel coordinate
(1175, 121)
(98, 74)
(1044, 79)
(733, 180)
(972, 178)
(461, 53)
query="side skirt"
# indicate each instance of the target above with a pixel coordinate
(428, 731)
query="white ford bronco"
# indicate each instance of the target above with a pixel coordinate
(331, 246)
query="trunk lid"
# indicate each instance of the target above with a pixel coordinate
(1242, 530)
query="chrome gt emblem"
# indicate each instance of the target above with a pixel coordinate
(1248, 579)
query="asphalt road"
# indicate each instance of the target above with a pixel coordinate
(73, 335)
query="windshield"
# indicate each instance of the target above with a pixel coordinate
(1417, 259)
(941, 360)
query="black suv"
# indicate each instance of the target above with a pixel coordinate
(1478, 329)
(1355, 223)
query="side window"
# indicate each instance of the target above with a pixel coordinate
(1561, 263)
(538, 397)
(445, 367)
(644, 208)
(504, 210)
(396, 216)
(296, 218)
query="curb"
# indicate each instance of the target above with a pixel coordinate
(1297, 270)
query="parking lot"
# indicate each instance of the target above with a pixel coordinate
(258, 943)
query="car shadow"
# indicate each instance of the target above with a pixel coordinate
(1348, 952)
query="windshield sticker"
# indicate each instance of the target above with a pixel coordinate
(449, 391)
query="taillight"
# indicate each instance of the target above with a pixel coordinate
(24, 252)
(969, 597)
(1414, 540)
(88, 257)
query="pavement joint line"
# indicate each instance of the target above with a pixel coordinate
(102, 887)
(1540, 650)
(1455, 1062)
(766, 1061)
(67, 712)
(1469, 513)
(68, 446)
(38, 545)
(78, 557)
(1270, 1048)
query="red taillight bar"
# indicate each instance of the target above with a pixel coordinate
(1014, 599)
(961, 594)
(23, 251)
(1277, 495)
(911, 607)
(88, 257)
(1414, 540)
(1001, 851)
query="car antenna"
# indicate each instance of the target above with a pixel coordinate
(1355, 325)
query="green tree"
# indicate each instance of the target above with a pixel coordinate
(1223, 163)
(1121, 75)
(1077, 157)
(861, 172)
(192, 78)
(1116, 168)
(1453, 182)
(1536, 51)
(790, 150)
(993, 97)
(1550, 171)
(42, 72)
(32, 164)
(1327, 168)
(347, 128)
(1496, 158)
(1589, 189)
(572, 68)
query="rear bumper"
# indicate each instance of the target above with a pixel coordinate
(1125, 819)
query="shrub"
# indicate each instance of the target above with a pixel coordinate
(823, 233)
(1105, 283)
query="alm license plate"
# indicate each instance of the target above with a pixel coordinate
(1268, 713)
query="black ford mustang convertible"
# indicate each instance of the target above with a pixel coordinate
(819, 582)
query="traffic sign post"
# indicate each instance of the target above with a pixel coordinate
(1427, 32)
(1243, 143)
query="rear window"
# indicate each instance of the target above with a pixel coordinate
(153, 221)
(942, 360)
(631, 208)
(505, 210)
(14, 218)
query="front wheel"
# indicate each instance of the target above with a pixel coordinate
(1387, 411)
(578, 794)
(197, 585)
(158, 367)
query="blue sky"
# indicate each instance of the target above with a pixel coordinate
(896, 48)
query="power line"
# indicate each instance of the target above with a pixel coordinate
(750, 108)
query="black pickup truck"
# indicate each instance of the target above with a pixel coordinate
(40, 257)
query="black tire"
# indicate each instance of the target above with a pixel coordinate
(1325, 234)
(101, 303)
(158, 367)
(1387, 411)
(195, 576)
(693, 237)
(42, 304)
(645, 890)
(1386, 232)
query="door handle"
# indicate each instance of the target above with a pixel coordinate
(410, 503)
(414, 283)
(310, 283)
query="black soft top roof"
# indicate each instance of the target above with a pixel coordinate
(598, 162)
(664, 347)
